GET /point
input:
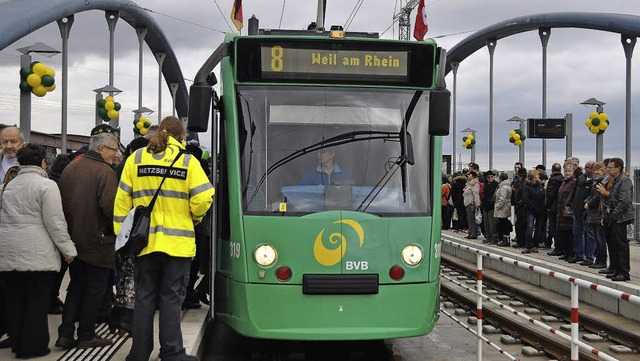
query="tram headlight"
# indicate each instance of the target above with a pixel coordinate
(265, 255)
(412, 255)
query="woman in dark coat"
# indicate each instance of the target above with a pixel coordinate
(564, 234)
(457, 187)
(534, 197)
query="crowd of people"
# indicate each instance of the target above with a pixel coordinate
(67, 217)
(579, 213)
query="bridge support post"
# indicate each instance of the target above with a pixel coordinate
(141, 32)
(454, 67)
(491, 45)
(628, 43)
(544, 33)
(160, 58)
(64, 25)
(174, 89)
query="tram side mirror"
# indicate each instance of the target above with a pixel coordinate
(439, 111)
(199, 105)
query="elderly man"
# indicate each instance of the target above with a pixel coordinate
(88, 187)
(12, 140)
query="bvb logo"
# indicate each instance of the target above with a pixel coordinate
(329, 257)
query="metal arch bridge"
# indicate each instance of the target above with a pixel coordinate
(624, 24)
(19, 18)
(628, 26)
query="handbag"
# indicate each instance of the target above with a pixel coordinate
(478, 216)
(139, 234)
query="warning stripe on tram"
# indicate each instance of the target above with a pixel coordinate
(98, 353)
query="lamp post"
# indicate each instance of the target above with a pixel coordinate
(473, 149)
(599, 136)
(25, 96)
(105, 89)
(138, 113)
(517, 119)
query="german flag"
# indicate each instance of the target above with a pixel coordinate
(236, 14)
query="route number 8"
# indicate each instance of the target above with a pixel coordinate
(276, 58)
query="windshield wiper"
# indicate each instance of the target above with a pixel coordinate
(349, 137)
(406, 157)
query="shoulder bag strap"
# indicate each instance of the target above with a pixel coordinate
(155, 196)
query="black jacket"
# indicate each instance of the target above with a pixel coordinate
(533, 197)
(579, 194)
(553, 186)
(487, 201)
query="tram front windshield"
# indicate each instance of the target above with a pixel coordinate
(313, 149)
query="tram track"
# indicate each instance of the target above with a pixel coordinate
(613, 330)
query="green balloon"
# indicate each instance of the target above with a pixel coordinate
(473, 141)
(33, 63)
(136, 130)
(511, 140)
(116, 106)
(464, 139)
(25, 87)
(523, 137)
(25, 71)
(147, 124)
(607, 121)
(101, 103)
(595, 122)
(48, 80)
(135, 121)
(102, 112)
(518, 131)
(470, 146)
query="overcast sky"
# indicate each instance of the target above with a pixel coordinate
(581, 64)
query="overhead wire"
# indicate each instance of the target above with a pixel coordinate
(353, 14)
(221, 13)
(284, 2)
(186, 21)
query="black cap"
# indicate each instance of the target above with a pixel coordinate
(102, 128)
(541, 167)
(488, 173)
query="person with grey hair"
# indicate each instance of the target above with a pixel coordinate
(88, 187)
(11, 140)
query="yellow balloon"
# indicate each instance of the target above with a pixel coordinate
(593, 115)
(39, 69)
(516, 137)
(50, 71)
(140, 125)
(51, 88)
(603, 125)
(470, 137)
(512, 133)
(594, 130)
(112, 114)
(588, 122)
(143, 131)
(109, 105)
(39, 91)
(518, 142)
(602, 117)
(34, 80)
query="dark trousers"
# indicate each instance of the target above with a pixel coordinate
(612, 246)
(28, 295)
(160, 280)
(521, 227)
(461, 223)
(563, 241)
(535, 230)
(471, 218)
(553, 219)
(619, 232)
(446, 217)
(601, 239)
(84, 297)
(4, 327)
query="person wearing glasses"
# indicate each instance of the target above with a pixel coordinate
(88, 187)
(618, 215)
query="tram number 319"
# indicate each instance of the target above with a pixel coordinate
(234, 249)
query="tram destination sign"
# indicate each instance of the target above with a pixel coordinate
(547, 128)
(335, 61)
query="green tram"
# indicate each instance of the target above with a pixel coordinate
(327, 217)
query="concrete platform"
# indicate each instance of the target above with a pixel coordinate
(194, 324)
(621, 307)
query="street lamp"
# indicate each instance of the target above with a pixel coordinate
(25, 97)
(473, 150)
(112, 91)
(517, 119)
(599, 136)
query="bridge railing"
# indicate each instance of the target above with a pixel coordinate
(575, 283)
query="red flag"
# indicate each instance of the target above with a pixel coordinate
(421, 26)
(236, 14)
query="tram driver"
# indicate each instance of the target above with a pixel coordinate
(327, 172)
